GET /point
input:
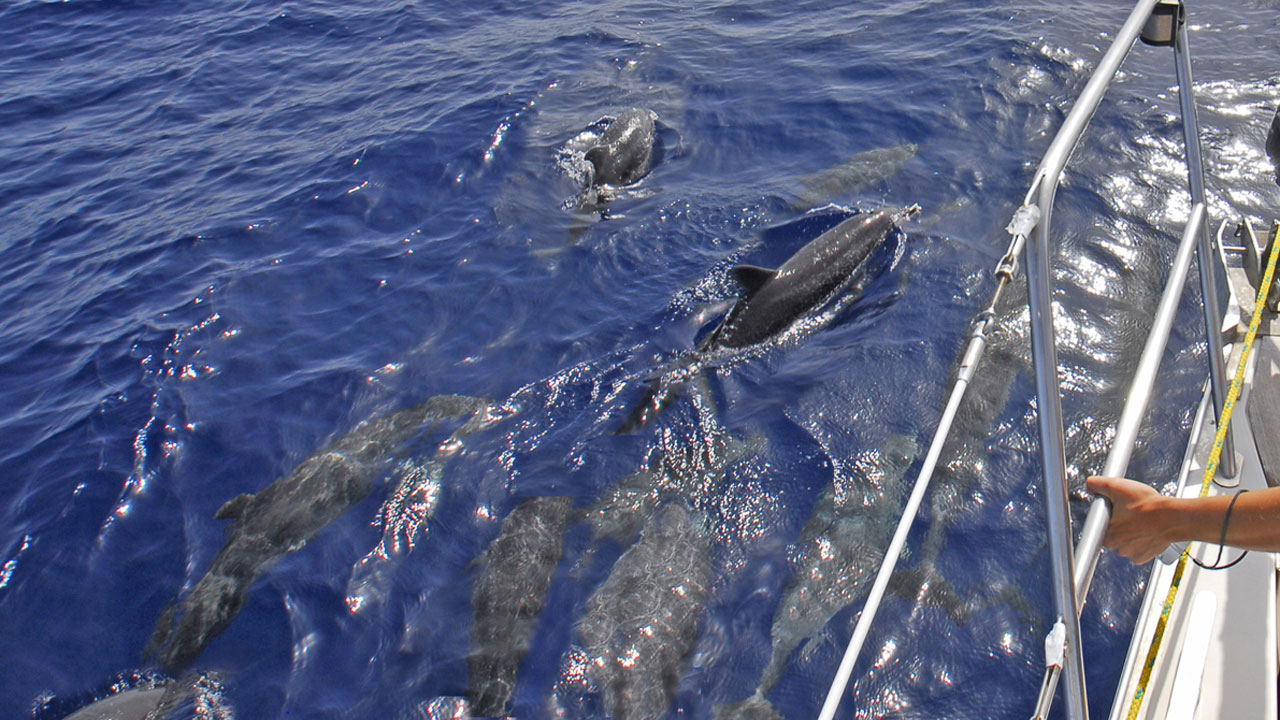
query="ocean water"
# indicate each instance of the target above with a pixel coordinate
(230, 233)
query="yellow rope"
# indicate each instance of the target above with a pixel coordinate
(1219, 439)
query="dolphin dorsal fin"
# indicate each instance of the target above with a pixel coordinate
(752, 278)
(234, 507)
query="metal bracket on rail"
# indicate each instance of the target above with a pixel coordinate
(1020, 226)
(1161, 29)
(1055, 654)
(1253, 252)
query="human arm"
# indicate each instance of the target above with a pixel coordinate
(1144, 522)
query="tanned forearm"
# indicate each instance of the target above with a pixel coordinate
(1144, 522)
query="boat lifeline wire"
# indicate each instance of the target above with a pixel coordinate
(1210, 469)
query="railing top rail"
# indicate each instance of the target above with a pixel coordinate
(1068, 136)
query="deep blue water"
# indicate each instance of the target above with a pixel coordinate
(232, 232)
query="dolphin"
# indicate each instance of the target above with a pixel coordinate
(282, 518)
(623, 154)
(774, 299)
(410, 505)
(842, 545)
(641, 623)
(508, 596)
(859, 171)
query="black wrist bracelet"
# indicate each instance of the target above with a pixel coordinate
(1222, 540)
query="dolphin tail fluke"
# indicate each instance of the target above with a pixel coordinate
(755, 707)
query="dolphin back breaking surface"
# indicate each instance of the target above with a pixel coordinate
(773, 300)
(625, 149)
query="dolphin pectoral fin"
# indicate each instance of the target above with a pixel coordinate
(234, 507)
(752, 278)
(812, 644)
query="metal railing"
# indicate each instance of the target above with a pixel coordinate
(1074, 572)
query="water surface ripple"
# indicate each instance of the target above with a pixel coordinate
(231, 233)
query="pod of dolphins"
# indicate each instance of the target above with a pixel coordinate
(641, 623)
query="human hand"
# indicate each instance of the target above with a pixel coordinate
(1139, 527)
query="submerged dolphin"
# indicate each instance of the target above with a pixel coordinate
(282, 518)
(842, 546)
(508, 596)
(774, 299)
(859, 171)
(625, 149)
(642, 622)
(409, 506)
